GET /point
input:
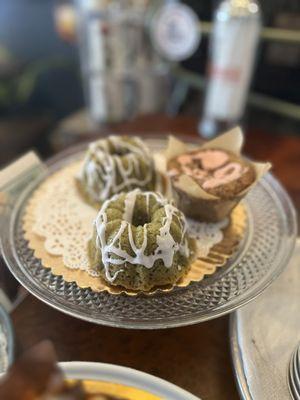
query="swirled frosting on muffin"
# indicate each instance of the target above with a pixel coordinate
(218, 172)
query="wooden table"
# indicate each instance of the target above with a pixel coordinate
(196, 358)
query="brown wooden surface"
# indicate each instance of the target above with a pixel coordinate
(196, 358)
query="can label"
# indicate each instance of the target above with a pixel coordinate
(233, 51)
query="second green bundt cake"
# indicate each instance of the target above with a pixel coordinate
(140, 241)
(113, 165)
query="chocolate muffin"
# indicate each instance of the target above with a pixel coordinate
(218, 172)
(222, 177)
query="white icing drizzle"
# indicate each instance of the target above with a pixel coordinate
(101, 169)
(166, 245)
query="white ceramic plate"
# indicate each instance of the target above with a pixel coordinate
(125, 376)
(264, 335)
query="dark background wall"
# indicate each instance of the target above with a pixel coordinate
(48, 67)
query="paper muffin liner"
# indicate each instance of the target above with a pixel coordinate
(190, 197)
(45, 247)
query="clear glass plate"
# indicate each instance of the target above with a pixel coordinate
(268, 245)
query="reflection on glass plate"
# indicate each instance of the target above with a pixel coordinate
(6, 341)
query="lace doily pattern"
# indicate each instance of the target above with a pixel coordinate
(58, 224)
(63, 219)
(206, 234)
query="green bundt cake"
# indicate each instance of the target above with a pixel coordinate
(140, 241)
(114, 165)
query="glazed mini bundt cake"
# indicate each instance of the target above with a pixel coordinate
(113, 165)
(140, 241)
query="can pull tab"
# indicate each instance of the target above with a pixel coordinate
(16, 176)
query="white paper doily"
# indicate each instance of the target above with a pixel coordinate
(65, 221)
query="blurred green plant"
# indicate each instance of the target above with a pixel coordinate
(18, 82)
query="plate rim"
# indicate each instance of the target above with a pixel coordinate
(237, 361)
(238, 345)
(127, 376)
